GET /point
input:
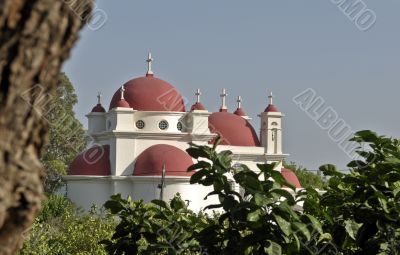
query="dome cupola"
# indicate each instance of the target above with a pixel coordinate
(150, 162)
(98, 107)
(94, 161)
(149, 93)
(233, 129)
(198, 105)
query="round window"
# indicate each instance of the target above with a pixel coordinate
(163, 125)
(140, 124)
(179, 126)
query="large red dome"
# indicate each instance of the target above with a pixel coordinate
(150, 94)
(94, 161)
(233, 129)
(151, 160)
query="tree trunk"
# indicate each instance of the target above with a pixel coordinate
(36, 36)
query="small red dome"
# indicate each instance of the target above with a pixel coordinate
(150, 94)
(240, 112)
(291, 177)
(197, 106)
(123, 103)
(233, 129)
(98, 108)
(271, 108)
(94, 161)
(151, 160)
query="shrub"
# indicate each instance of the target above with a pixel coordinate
(154, 228)
(62, 229)
(361, 209)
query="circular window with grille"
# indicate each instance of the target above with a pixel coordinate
(163, 125)
(140, 124)
(179, 126)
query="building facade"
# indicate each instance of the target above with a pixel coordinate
(145, 133)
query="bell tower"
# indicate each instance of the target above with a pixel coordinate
(271, 128)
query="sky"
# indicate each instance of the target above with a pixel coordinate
(300, 50)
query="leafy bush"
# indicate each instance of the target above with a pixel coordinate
(358, 212)
(63, 229)
(262, 221)
(361, 209)
(154, 228)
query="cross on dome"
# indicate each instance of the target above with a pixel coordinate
(149, 63)
(122, 89)
(99, 97)
(239, 101)
(198, 94)
(270, 97)
(223, 97)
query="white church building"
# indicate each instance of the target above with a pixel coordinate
(145, 133)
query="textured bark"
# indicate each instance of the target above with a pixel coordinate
(36, 36)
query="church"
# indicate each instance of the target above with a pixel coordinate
(137, 146)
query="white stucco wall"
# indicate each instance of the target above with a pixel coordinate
(85, 191)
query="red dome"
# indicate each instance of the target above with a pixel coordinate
(123, 103)
(233, 129)
(197, 106)
(291, 177)
(271, 108)
(98, 108)
(240, 112)
(94, 161)
(150, 94)
(151, 160)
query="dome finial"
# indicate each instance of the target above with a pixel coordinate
(149, 63)
(122, 89)
(198, 94)
(99, 97)
(223, 97)
(270, 97)
(239, 102)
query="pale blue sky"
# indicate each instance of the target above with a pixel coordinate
(249, 47)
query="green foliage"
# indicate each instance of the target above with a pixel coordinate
(306, 178)
(259, 221)
(357, 213)
(361, 209)
(62, 229)
(66, 134)
(55, 206)
(154, 228)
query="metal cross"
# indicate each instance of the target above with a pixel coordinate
(122, 92)
(198, 94)
(239, 101)
(149, 62)
(223, 97)
(99, 97)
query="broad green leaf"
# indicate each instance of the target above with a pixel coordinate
(352, 228)
(286, 194)
(301, 228)
(315, 223)
(197, 176)
(365, 136)
(330, 170)
(254, 216)
(283, 224)
(199, 165)
(160, 203)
